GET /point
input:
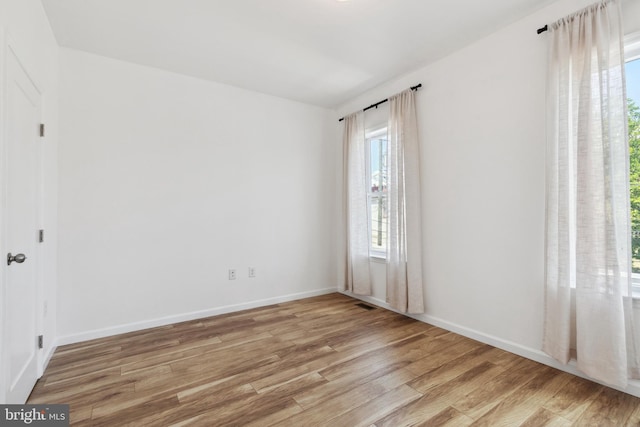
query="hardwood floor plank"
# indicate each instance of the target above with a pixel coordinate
(315, 414)
(500, 357)
(523, 402)
(278, 378)
(204, 404)
(121, 407)
(134, 413)
(182, 352)
(366, 374)
(275, 417)
(237, 411)
(634, 418)
(545, 418)
(200, 373)
(67, 382)
(312, 362)
(98, 389)
(448, 417)
(439, 398)
(574, 398)
(611, 408)
(450, 370)
(80, 413)
(481, 400)
(402, 352)
(390, 332)
(367, 413)
(449, 351)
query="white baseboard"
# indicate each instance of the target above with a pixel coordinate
(47, 357)
(536, 355)
(168, 320)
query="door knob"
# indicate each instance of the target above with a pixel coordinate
(19, 258)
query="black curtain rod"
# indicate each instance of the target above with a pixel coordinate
(416, 87)
(542, 30)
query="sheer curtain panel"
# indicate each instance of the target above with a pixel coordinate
(358, 277)
(404, 243)
(587, 210)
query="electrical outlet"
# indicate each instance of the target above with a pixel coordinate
(232, 274)
(252, 272)
(46, 308)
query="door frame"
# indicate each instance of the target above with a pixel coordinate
(8, 46)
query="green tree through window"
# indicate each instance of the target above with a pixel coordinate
(634, 178)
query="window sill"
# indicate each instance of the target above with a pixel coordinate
(379, 258)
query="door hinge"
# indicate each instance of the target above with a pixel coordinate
(40, 236)
(41, 129)
(40, 341)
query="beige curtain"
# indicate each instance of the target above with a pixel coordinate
(358, 277)
(588, 243)
(404, 243)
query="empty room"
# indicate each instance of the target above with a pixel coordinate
(320, 213)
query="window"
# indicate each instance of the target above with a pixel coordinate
(632, 70)
(376, 147)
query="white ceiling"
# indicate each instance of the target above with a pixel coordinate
(321, 52)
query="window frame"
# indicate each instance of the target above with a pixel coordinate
(632, 53)
(370, 135)
(632, 47)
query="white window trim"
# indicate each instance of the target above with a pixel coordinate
(632, 47)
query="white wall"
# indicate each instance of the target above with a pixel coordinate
(482, 129)
(167, 181)
(25, 24)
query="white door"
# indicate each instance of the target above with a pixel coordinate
(21, 177)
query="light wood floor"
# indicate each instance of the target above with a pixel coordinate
(316, 362)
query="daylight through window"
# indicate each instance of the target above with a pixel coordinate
(376, 145)
(632, 69)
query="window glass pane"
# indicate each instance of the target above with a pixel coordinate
(633, 94)
(378, 162)
(379, 223)
(377, 186)
(375, 165)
